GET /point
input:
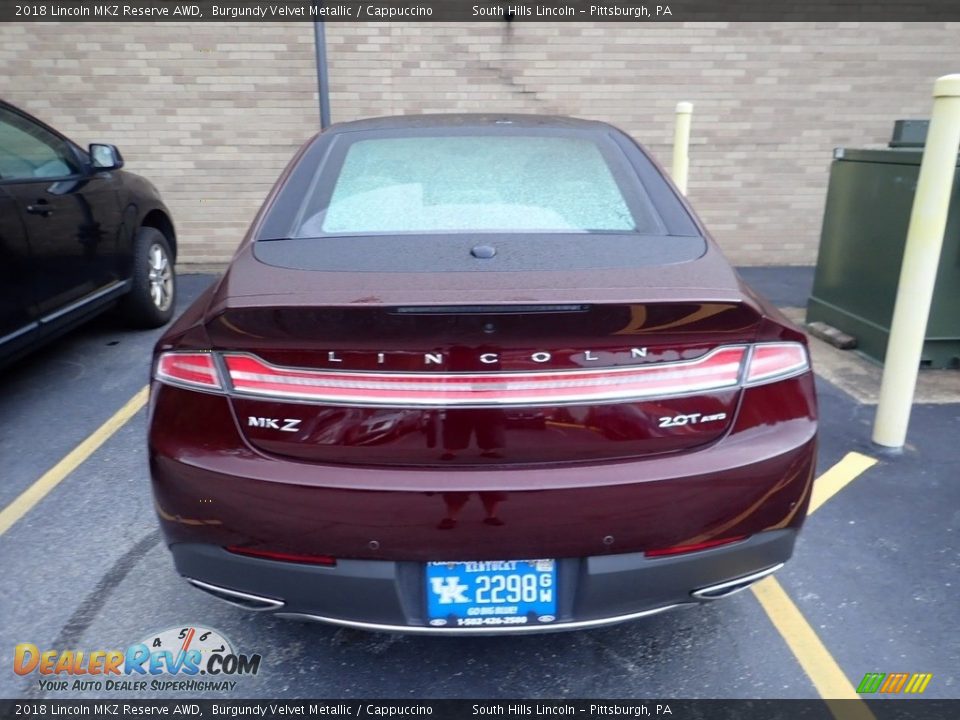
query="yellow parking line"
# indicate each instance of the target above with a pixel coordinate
(827, 677)
(817, 662)
(55, 475)
(837, 477)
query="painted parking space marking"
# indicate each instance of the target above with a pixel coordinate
(29, 498)
(817, 662)
(824, 672)
(838, 477)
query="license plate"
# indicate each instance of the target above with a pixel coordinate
(491, 593)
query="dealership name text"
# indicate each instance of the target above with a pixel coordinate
(521, 11)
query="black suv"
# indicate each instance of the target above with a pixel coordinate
(77, 236)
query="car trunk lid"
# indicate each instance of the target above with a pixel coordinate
(480, 384)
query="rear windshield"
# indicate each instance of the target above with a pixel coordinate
(474, 183)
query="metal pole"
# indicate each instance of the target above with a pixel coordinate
(681, 146)
(320, 48)
(928, 222)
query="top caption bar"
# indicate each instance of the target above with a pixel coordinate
(479, 11)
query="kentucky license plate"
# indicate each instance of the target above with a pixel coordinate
(491, 593)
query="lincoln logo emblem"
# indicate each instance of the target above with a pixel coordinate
(492, 358)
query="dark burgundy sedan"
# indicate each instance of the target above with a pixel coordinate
(479, 373)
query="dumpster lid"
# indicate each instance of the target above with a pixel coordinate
(889, 156)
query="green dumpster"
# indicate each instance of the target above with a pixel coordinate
(869, 199)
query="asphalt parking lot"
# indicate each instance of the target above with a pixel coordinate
(873, 587)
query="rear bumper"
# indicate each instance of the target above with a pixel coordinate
(384, 595)
(212, 489)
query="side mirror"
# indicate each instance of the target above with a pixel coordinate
(105, 157)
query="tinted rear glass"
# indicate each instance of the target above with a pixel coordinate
(539, 182)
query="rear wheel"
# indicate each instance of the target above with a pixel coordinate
(153, 282)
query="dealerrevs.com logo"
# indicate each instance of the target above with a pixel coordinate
(172, 660)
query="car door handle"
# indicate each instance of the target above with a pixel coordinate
(41, 208)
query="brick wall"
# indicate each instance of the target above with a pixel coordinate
(212, 112)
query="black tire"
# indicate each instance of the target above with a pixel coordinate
(153, 290)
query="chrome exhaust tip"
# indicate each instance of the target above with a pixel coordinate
(731, 587)
(257, 603)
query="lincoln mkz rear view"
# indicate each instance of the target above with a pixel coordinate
(479, 374)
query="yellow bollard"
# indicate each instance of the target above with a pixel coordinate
(681, 146)
(928, 222)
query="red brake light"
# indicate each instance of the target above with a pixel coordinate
(680, 549)
(193, 369)
(774, 361)
(718, 369)
(326, 560)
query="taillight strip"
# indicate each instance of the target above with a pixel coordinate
(720, 368)
(770, 362)
(193, 369)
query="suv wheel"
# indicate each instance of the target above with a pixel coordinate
(152, 293)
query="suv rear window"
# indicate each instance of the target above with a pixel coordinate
(475, 183)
